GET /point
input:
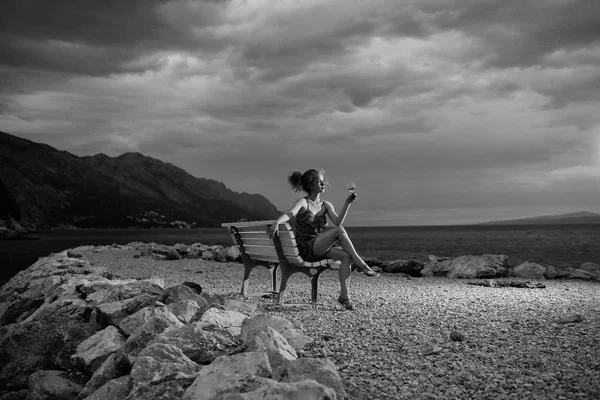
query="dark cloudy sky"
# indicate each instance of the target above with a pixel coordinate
(441, 111)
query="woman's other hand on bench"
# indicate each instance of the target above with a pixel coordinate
(273, 230)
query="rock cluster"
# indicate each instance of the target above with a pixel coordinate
(195, 251)
(69, 330)
(483, 266)
(462, 267)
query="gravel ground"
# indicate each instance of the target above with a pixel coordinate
(516, 344)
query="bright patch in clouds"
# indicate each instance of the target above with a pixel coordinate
(441, 111)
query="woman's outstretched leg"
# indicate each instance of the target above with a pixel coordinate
(338, 234)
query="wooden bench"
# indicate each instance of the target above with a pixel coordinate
(257, 249)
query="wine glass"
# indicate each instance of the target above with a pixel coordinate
(351, 187)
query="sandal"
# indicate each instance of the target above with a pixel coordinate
(367, 271)
(345, 303)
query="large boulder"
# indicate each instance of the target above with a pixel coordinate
(249, 387)
(278, 349)
(132, 322)
(51, 281)
(159, 360)
(211, 386)
(247, 363)
(160, 251)
(590, 267)
(317, 369)
(115, 389)
(468, 266)
(54, 265)
(409, 267)
(226, 319)
(114, 313)
(31, 346)
(182, 292)
(44, 385)
(437, 266)
(258, 323)
(170, 387)
(575, 273)
(303, 390)
(98, 292)
(235, 374)
(92, 352)
(241, 306)
(551, 272)
(201, 345)
(113, 367)
(142, 336)
(529, 270)
(185, 310)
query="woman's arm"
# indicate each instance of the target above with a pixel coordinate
(286, 216)
(333, 216)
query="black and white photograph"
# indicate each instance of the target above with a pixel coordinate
(310, 199)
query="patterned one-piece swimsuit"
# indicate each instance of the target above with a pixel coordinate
(308, 226)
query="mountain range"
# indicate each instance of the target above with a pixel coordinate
(580, 217)
(42, 187)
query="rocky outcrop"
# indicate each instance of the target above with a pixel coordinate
(529, 270)
(483, 266)
(468, 266)
(409, 267)
(70, 330)
(195, 251)
(486, 266)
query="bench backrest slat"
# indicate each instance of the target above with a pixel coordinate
(287, 251)
(268, 242)
(263, 235)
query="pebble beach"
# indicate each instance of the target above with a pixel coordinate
(421, 338)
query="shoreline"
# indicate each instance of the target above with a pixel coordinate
(561, 247)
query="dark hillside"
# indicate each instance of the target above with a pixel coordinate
(43, 187)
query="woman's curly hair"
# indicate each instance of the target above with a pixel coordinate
(304, 181)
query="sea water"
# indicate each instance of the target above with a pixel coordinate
(558, 245)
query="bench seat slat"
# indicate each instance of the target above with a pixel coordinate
(244, 235)
(264, 257)
(331, 262)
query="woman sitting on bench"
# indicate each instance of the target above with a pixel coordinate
(315, 241)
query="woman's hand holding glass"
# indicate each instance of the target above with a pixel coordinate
(352, 189)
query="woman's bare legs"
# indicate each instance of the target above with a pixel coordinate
(344, 257)
(338, 234)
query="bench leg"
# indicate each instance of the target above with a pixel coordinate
(247, 269)
(286, 272)
(274, 278)
(314, 280)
